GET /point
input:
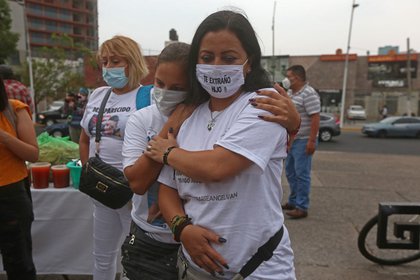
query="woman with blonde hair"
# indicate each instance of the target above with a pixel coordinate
(123, 67)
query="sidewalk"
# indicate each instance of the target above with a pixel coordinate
(346, 189)
(345, 194)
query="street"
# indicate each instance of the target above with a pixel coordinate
(355, 142)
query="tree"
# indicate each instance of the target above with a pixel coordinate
(55, 74)
(8, 39)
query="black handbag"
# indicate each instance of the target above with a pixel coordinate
(100, 180)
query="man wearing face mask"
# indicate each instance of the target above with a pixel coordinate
(303, 145)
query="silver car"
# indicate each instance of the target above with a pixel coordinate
(328, 127)
(394, 127)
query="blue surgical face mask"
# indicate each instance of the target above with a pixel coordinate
(115, 77)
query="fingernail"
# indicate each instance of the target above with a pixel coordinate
(251, 100)
(253, 104)
(226, 266)
(171, 130)
(222, 240)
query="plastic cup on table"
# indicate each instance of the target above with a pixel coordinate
(61, 175)
(40, 174)
(75, 172)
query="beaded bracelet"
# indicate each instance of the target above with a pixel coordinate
(166, 154)
(178, 223)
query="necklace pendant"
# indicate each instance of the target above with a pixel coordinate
(210, 125)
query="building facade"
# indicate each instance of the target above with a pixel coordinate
(372, 81)
(77, 19)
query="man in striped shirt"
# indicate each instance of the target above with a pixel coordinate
(303, 145)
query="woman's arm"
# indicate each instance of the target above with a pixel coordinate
(207, 166)
(84, 146)
(24, 145)
(196, 240)
(144, 172)
(280, 105)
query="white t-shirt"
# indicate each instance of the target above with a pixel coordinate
(244, 209)
(141, 127)
(117, 110)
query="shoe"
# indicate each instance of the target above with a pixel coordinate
(297, 213)
(288, 206)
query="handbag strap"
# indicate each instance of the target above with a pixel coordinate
(99, 121)
(264, 253)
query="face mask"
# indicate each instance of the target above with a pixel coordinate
(115, 77)
(286, 83)
(220, 81)
(166, 100)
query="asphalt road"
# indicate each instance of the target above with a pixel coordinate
(356, 142)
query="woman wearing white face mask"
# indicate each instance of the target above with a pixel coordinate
(220, 190)
(123, 66)
(149, 252)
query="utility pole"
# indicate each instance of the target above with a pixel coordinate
(346, 67)
(408, 67)
(273, 61)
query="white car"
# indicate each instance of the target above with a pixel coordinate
(356, 112)
(56, 105)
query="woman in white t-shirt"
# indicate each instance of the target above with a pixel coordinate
(150, 252)
(220, 188)
(123, 66)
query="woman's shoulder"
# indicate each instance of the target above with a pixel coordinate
(18, 105)
(99, 91)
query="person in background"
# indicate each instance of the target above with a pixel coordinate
(384, 112)
(150, 252)
(123, 67)
(302, 146)
(76, 115)
(14, 88)
(220, 155)
(17, 145)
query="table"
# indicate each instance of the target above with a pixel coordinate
(62, 231)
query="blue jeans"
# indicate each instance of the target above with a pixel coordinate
(298, 173)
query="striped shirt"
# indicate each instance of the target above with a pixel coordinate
(307, 103)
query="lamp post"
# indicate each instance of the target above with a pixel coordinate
(346, 66)
(28, 56)
(273, 59)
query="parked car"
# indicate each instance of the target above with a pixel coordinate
(329, 127)
(51, 117)
(58, 129)
(394, 127)
(356, 112)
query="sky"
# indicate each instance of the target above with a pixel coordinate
(302, 27)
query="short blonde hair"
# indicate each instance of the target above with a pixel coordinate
(131, 52)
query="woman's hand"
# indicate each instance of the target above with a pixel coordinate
(280, 105)
(158, 146)
(197, 241)
(178, 116)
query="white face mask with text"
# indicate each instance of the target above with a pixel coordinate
(221, 81)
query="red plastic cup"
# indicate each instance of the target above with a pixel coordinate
(40, 174)
(61, 176)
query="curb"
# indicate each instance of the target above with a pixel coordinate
(353, 129)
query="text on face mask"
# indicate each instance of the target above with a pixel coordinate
(220, 81)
